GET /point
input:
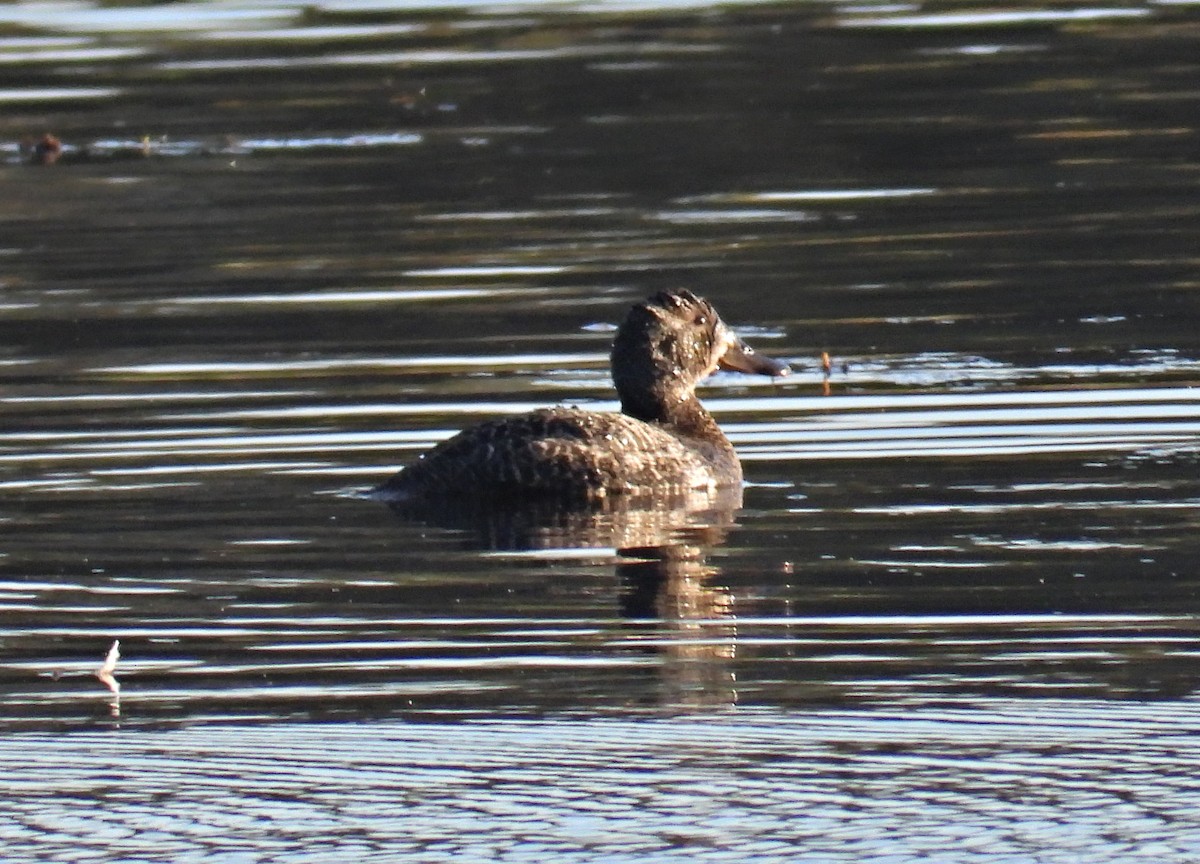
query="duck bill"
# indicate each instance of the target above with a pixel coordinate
(740, 357)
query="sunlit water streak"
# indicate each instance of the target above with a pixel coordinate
(994, 19)
(306, 662)
(57, 54)
(812, 196)
(846, 427)
(52, 94)
(433, 57)
(180, 17)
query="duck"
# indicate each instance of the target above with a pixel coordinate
(663, 441)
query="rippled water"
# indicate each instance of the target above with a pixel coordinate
(991, 783)
(282, 249)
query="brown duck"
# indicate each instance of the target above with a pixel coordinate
(663, 439)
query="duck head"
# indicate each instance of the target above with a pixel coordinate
(670, 343)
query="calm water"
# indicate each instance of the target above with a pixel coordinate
(285, 248)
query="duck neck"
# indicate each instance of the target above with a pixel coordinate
(683, 415)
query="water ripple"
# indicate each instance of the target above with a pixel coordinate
(996, 781)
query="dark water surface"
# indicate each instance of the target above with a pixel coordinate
(287, 247)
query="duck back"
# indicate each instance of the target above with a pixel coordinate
(566, 453)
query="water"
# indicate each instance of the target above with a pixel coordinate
(284, 249)
(825, 786)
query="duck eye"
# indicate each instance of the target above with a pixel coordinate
(701, 320)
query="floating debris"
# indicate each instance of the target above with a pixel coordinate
(46, 150)
(105, 672)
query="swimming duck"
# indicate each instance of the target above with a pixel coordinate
(663, 440)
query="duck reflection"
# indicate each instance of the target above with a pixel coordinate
(661, 546)
(675, 586)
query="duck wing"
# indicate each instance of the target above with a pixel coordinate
(560, 452)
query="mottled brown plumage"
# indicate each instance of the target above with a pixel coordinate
(663, 439)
